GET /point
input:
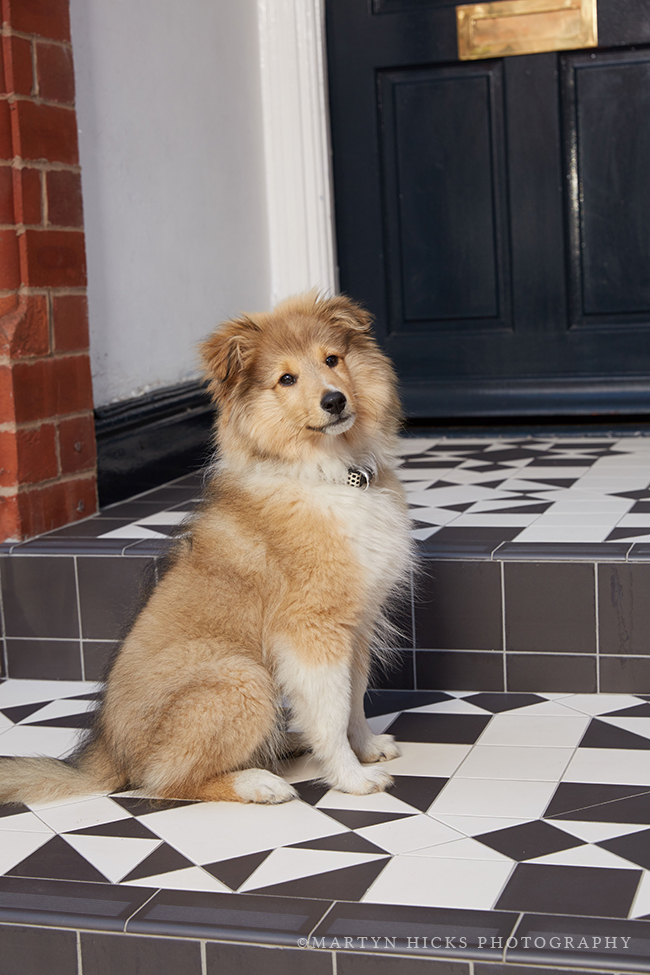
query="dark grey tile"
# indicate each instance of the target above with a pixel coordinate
(171, 495)
(435, 548)
(639, 552)
(37, 951)
(551, 672)
(427, 931)
(590, 891)
(247, 917)
(396, 671)
(134, 510)
(149, 546)
(90, 528)
(106, 954)
(477, 539)
(232, 959)
(39, 596)
(499, 702)
(57, 860)
(529, 840)
(550, 607)
(109, 593)
(418, 791)
(592, 800)
(458, 606)
(353, 963)
(73, 546)
(44, 659)
(601, 734)
(387, 701)
(459, 729)
(96, 658)
(563, 551)
(459, 670)
(526, 970)
(624, 675)
(542, 940)
(624, 608)
(346, 883)
(65, 904)
(634, 847)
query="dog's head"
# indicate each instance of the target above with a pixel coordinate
(300, 377)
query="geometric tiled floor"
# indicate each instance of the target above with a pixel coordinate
(525, 490)
(502, 802)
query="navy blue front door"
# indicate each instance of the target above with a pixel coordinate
(495, 215)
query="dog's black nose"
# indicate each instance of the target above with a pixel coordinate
(333, 402)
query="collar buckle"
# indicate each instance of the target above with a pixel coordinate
(360, 477)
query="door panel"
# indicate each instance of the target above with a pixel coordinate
(444, 197)
(495, 215)
(608, 139)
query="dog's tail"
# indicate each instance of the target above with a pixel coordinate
(28, 780)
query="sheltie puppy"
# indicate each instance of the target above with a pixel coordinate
(277, 589)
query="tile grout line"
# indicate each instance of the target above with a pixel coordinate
(78, 594)
(204, 960)
(5, 657)
(597, 625)
(79, 956)
(413, 640)
(503, 625)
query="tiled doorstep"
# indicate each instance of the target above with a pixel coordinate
(518, 829)
(514, 615)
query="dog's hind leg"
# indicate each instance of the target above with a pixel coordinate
(204, 744)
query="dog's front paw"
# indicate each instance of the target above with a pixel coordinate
(378, 748)
(363, 781)
(258, 785)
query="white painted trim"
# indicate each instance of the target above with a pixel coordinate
(296, 146)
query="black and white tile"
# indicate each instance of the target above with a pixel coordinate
(502, 802)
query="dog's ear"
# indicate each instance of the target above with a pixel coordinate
(227, 353)
(343, 311)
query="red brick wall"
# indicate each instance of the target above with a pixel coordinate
(47, 441)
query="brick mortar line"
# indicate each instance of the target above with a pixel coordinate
(27, 425)
(8, 31)
(18, 162)
(31, 291)
(22, 228)
(41, 485)
(15, 99)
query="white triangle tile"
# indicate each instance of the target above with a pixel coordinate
(637, 726)
(477, 825)
(164, 518)
(26, 822)
(586, 856)
(59, 709)
(132, 531)
(380, 722)
(189, 878)
(551, 708)
(641, 905)
(465, 849)
(408, 835)
(455, 706)
(421, 534)
(427, 758)
(67, 816)
(32, 740)
(15, 846)
(376, 802)
(600, 704)
(5, 724)
(16, 692)
(209, 831)
(287, 864)
(595, 832)
(114, 856)
(301, 769)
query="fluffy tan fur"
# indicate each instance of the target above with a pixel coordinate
(277, 589)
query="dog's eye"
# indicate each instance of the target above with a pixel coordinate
(331, 361)
(287, 379)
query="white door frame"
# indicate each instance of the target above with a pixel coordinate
(297, 146)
